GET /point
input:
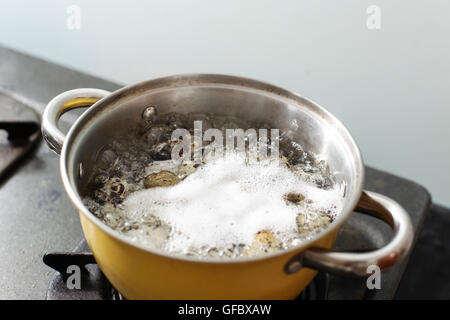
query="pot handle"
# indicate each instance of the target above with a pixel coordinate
(356, 264)
(62, 103)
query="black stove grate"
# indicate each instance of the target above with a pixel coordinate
(95, 286)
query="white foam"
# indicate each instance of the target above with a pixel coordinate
(227, 201)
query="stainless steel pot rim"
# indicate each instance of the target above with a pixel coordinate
(182, 80)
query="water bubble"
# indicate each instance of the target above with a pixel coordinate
(157, 134)
(101, 178)
(204, 118)
(174, 120)
(150, 114)
(106, 159)
(224, 123)
(161, 151)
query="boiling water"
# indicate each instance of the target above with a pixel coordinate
(226, 207)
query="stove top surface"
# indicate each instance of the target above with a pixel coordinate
(37, 216)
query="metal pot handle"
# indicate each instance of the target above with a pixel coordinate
(62, 103)
(356, 264)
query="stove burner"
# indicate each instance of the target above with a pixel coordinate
(23, 132)
(95, 286)
(61, 261)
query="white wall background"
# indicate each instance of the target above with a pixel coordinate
(390, 87)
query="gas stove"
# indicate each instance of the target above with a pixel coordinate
(40, 228)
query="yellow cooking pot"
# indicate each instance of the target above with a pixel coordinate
(140, 273)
